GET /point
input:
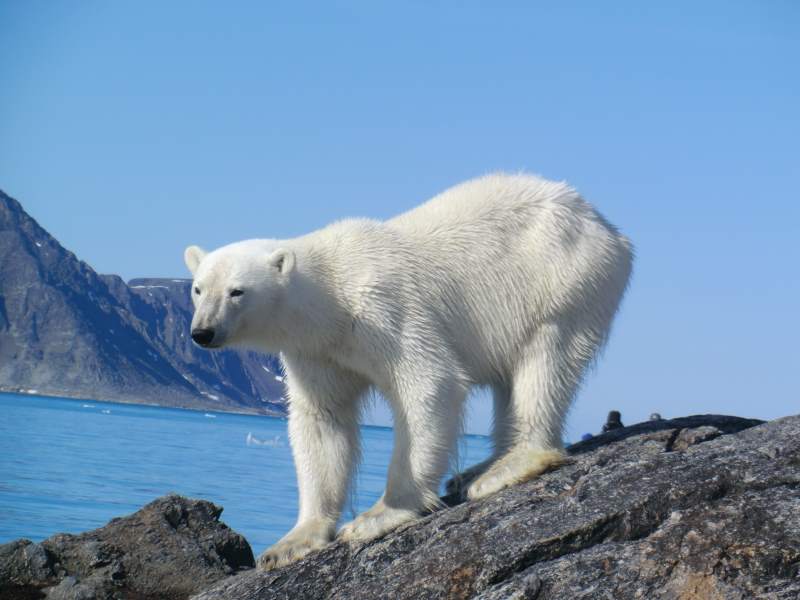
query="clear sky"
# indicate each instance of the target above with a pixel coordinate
(132, 129)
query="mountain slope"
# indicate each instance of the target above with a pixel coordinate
(66, 330)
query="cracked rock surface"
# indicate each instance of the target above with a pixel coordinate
(170, 549)
(703, 507)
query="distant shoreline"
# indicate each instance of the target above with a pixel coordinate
(32, 393)
(37, 394)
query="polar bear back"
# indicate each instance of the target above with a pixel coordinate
(475, 270)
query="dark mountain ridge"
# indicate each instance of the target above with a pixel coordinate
(66, 330)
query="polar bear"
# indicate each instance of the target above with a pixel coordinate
(505, 281)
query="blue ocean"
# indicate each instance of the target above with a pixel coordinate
(72, 465)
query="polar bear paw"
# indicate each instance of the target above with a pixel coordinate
(459, 483)
(376, 522)
(520, 464)
(301, 540)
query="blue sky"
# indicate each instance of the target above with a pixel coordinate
(131, 130)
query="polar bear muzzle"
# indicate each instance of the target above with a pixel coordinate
(203, 337)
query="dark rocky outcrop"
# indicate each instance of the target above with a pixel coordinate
(170, 549)
(65, 330)
(704, 507)
(698, 508)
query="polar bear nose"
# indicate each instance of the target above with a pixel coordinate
(202, 337)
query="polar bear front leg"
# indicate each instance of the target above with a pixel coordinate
(427, 422)
(323, 429)
(305, 537)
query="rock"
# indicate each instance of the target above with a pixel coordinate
(614, 421)
(704, 507)
(170, 549)
(24, 568)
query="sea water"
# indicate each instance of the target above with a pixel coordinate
(72, 465)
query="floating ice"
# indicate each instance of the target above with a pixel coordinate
(274, 442)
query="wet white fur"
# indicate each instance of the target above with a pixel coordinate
(507, 281)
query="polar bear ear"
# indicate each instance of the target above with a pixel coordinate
(282, 260)
(192, 257)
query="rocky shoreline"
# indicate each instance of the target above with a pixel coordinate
(703, 507)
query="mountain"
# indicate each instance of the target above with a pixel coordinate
(66, 330)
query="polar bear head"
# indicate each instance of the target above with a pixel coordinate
(236, 289)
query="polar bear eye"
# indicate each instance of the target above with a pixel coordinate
(235, 293)
(197, 290)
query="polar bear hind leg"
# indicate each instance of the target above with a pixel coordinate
(501, 440)
(544, 382)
